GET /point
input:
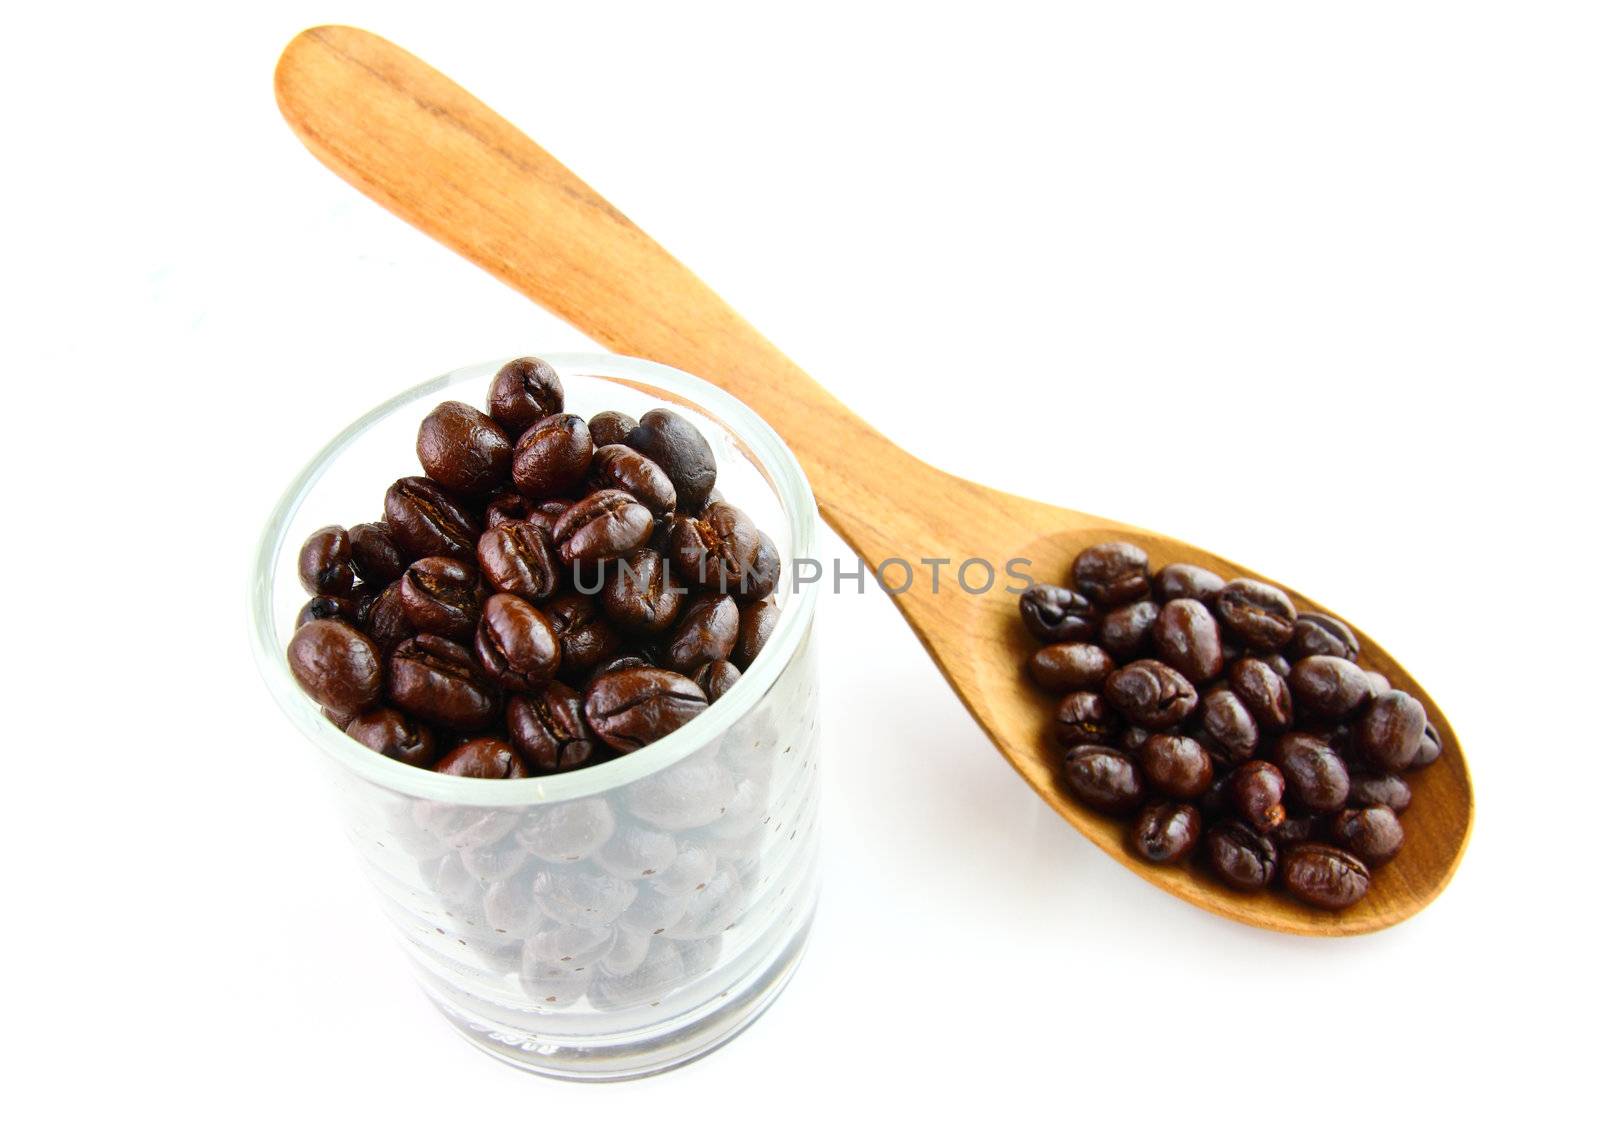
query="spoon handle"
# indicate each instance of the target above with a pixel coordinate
(430, 152)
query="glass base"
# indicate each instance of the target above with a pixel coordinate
(687, 1038)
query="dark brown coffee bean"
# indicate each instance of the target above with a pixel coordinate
(1316, 634)
(482, 758)
(336, 665)
(1083, 717)
(640, 594)
(325, 562)
(756, 623)
(1177, 766)
(1229, 723)
(375, 554)
(1294, 830)
(1329, 686)
(1264, 692)
(611, 427)
(506, 508)
(1054, 614)
(1241, 857)
(683, 454)
(1428, 753)
(1186, 581)
(761, 578)
(1372, 833)
(552, 457)
(1390, 731)
(1151, 694)
(620, 663)
(516, 645)
(1132, 739)
(1380, 790)
(386, 621)
(519, 557)
(523, 393)
(1061, 667)
(1257, 789)
(1325, 876)
(442, 597)
(1112, 574)
(1187, 639)
(618, 466)
(394, 735)
(715, 550)
(706, 633)
(549, 731)
(426, 520)
(602, 526)
(1103, 778)
(1165, 832)
(547, 512)
(1126, 630)
(716, 678)
(439, 681)
(463, 450)
(587, 640)
(1256, 613)
(1317, 776)
(353, 609)
(631, 709)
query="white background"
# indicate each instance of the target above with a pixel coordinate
(1313, 285)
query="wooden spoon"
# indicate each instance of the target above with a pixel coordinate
(423, 147)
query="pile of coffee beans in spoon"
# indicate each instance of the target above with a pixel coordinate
(553, 592)
(1225, 725)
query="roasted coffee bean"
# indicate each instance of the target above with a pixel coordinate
(1165, 832)
(1241, 857)
(517, 647)
(463, 450)
(1390, 731)
(548, 730)
(630, 709)
(1328, 686)
(426, 520)
(439, 681)
(1126, 630)
(1428, 753)
(587, 640)
(1083, 717)
(715, 678)
(683, 454)
(336, 665)
(611, 427)
(547, 512)
(1372, 833)
(1176, 766)
(1103, 777)
(1264, 692)
(1316, 634)
(640, 594)
(1256, 613)
(519, 557)
(1112, 574)
(762, 576)
(483, 758)
(375, 554)
(1294, 830)
(552, 457)
(618, 466)
(1054, 614)
(1061, 667)
(1151, 694)
(394, 735)
(1229, 723)
(1257, 790)
(386, 621)
(1187, 639)
(1317, 777)
(1217, 802)
(523, 393)
(442, 597)
(325, 562)
(715, 550)
(506, 508)
(602, 526)
(706, 633)
(620, 663)
(1325, 876)
(756, 623)
(1132, 739)
(353, 608)
(1380, 683)
(1186, 581)
(1380, 790)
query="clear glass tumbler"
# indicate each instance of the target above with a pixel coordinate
(613, 921)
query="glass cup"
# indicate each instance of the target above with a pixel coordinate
(613, 921)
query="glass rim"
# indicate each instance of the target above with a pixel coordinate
(752, 433)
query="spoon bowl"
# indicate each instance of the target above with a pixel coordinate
(426, 149)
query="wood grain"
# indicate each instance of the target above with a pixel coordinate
(420, 145)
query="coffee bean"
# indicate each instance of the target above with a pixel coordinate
(1428, 753)
(336, 665)
(611, 427)
(1126, 630)
(552, 457)
(524, 392)
(517, 646)
(463, 450)
(683, 454)
(1112, 574)
(761, 578)
(602, 526)
(1325, 876)
(1083, 717)
(1391, 731)
(620, 467)
(375, 554)
(1186, 581)
(1151, 694)
(1061, 667)
(715, 550)
(1103, 777)
(439, 681)
(1316, 634)
(1380, 790)
(1229, 723)
(1264, 692)
(546, 512)
(706, 633)
(587, 640)
(353, 608)
(756, 623)
(1257, 789)
(1054, 614)
(325, 562)
(482, 758)
(1241, 857)
(631, 709)
(1165, 832)
(1256, 613)
(386, 621)
(1372, 833)
(716, 678)
(1132, 739)
(426, 520)
(506, 508)
(1176, 765)
(640, 594)
(1187, 639)
(1294, 830)
(1329, 686)
(441, 597)
(519, 557)
(394, 735)
(1317, 777)
(548, 730)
